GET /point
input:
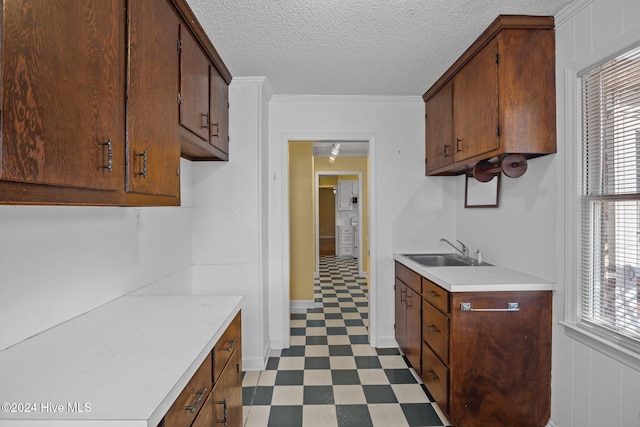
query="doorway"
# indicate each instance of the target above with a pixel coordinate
(339, 217)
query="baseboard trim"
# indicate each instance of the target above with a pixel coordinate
(301, 306)
(552, 424)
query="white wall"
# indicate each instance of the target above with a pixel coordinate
(400, 194)
(228, 218)
(590, 389)
(58, 262)
(527, 232)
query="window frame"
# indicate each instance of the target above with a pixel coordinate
(572, 189)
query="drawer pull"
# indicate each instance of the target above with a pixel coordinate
(109, 165)
(200, 393)
(403, 292)
(433, 294)
(433, 329)
(512, 306)
(223, 421)
(433, 375)
(232, 344)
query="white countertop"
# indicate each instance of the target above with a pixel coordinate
(123, 363)
(477, 278)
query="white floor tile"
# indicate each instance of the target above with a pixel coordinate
(388, 414)
(287, 395)
(342, 362)
(319, 416)
(409, 393)
(317, 377)
(348, 395)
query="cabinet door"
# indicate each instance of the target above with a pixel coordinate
(63, 69)
(475, 105)
(344, 196)
(219, 137)
(227, 394)
(153, 133)
(194, 86)
(413, 338)
(439, 141)
(401, 313)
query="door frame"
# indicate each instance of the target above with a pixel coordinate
(317, 218)
(285, 260)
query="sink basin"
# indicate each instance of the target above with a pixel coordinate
(444, 260)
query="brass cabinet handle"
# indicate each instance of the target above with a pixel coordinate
(458, 141)
(446, 146)
(217, 134)
(200, 394)
(205, 120)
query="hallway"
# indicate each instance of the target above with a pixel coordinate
(330, 376)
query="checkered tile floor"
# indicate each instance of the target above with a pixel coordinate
(330, 376)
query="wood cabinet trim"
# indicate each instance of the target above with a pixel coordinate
(502, 22)
(196, 28)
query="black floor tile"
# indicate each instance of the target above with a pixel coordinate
(359, 339)
(345, 377)
(247, 395)
(293, 351)
(316, 340)
(296, 332)
(315, 323)
(400, 376)
(420, 414)
(353, 322)
(290, 378)
(316, 363)
(368, 362)
(353, 416)
(290, 416)
(379, 394)
(333, 316)
(340, 350)
(318, 395)
(336, 331)
(262, 396)
(272, 363)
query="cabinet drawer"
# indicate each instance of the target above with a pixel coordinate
(435, 331)
(227, 395)
(435, 376)
(435, 295)
(346, 230)
(409, 277)
(346, 239)
(226, 345)
(190, 401)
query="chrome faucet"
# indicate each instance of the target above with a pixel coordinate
(464, 251)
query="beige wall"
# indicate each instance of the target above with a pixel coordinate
(301, 221)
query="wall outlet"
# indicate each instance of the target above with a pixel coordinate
(138, 224)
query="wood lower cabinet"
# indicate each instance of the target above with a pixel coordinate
(407, 314)
(487, 367)
(497, 98)
(213, 396)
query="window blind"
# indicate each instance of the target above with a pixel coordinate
(609, 290)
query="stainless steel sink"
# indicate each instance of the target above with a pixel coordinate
(444, 260)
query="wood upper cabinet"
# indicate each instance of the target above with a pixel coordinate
(475, 100)
(90, 93)
(194, 86)
(204, 101)
(153, 146)
(63, 103)
(502, 92)
(219, 137)
(439, 142)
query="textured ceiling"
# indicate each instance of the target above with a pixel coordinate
(351, 47)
